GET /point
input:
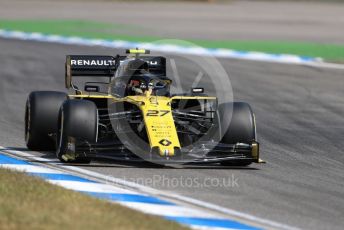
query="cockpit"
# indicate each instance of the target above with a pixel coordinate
(137, 75)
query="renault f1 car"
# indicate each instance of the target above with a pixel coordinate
(134, 116)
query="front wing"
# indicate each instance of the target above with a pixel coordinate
(204, 153)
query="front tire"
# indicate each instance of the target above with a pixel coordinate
(238, 128)
(78, 122)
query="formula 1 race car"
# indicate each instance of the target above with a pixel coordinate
(132, 115)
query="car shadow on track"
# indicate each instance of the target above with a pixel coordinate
(49, 156)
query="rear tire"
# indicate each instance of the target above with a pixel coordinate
(41, 114)
(240, 128)
(78, 121)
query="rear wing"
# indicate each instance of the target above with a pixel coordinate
(156, 64)
(90, 65)
(105, 66)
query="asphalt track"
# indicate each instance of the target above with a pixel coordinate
(313, 21)
(300, 126)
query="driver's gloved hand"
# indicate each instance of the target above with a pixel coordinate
(137, 90)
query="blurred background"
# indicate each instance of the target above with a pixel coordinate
(307, 28)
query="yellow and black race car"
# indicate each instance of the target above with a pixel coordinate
(129, 113)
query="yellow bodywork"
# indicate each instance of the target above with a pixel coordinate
(157, 116)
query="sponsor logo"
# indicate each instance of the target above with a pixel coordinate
(165, 142)
(92, 62)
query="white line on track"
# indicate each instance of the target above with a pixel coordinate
(151, 191)
(326, 65)
(163, 210)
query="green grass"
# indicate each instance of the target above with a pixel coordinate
(30, 203)
(326, 51)
(90, 29)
